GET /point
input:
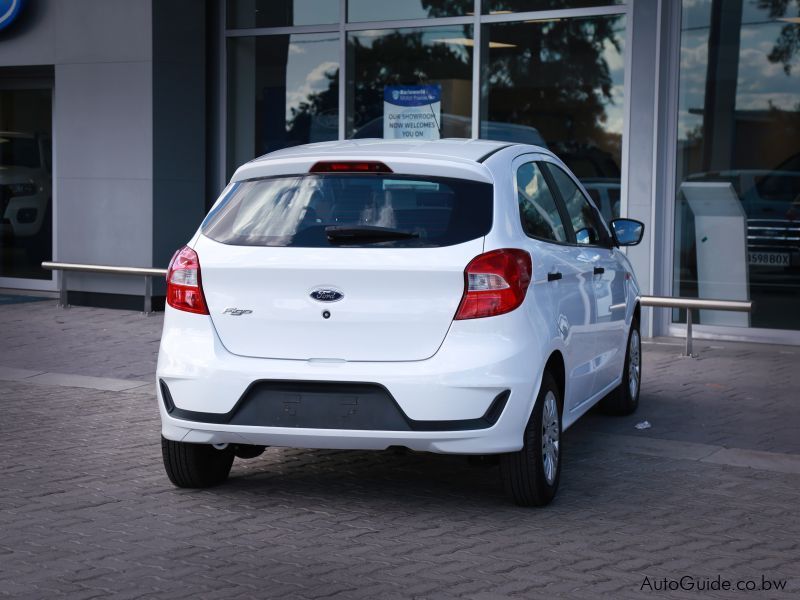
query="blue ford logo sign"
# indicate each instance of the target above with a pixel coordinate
(9, 9)
(327, 295)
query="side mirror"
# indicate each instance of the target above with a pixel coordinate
(627, 232)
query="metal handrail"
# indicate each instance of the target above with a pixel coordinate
(53, 266)
(690, 303)
(146, 272)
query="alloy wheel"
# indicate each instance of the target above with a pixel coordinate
(634, 363)
(550, 437)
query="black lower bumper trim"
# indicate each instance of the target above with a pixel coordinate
(327, 405)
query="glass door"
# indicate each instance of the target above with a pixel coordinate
(26, 181)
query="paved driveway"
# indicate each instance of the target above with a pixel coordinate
(711, 489)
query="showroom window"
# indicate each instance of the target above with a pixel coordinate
(282, 91)
(26, 227)
(499, 7)
(737, 221)
(560, 83)
(245, 14)
(432, 62)
(426, 69)
(385, 10)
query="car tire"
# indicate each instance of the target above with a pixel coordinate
(531, 475)
(196, 465)
(624, 400)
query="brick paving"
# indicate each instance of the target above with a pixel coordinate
(733, 394)
(79, 340)
(87, 512)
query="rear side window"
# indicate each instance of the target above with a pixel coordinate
(295, 211)
(538, 210)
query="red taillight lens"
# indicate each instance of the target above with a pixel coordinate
(496, 283)
(184, 287)
(348, 166)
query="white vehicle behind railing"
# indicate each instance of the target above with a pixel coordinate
(25, 184)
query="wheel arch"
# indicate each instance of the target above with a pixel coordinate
(556, 367)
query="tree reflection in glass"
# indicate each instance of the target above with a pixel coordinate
(563, 78)
(433, 55)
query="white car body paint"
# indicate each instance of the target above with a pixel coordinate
(394, 327)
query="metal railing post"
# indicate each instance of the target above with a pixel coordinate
(689, 332)
(62, 291)
(148, 295)
(691, 303)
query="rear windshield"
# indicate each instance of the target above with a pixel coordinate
(297, 210)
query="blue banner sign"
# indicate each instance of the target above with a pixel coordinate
(412, 112)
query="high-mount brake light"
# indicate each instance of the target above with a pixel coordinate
(495, 283)
(349, 167)
(184, 285)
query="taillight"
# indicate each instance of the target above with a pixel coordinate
(495, 283)
(184, 287)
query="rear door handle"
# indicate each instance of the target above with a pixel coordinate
(599, 270)
(554, 276)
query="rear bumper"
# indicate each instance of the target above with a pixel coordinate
(326, 405)
(448, 403)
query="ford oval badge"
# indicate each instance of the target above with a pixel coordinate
(327, 295)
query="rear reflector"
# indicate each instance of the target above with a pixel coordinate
(184, 286)
(349, 167)
(495, 283)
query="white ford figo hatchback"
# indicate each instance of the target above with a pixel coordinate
(452, 296)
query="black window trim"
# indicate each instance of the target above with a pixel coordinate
(491, 153)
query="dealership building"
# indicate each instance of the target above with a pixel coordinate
(122, 120)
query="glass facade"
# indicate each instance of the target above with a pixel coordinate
(560, 83)
(559, 80)
(385, 10)
(244, 14)
(282, 91)
(26, 227)
(685, 115)
(501, 7)
(737, 221)
(557, 83)
(432, 56)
